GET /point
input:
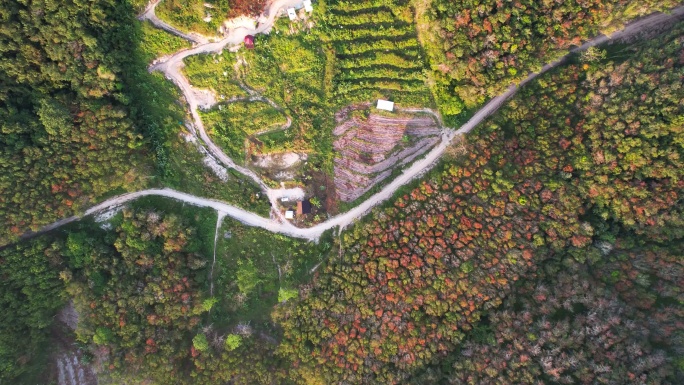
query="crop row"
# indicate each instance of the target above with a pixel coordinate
(380, 73)
(344, 87)
(381, 59)
(406, 54)
(379, 17)
(377, 45)
(398, 14)
(372, 32)
(352, 6)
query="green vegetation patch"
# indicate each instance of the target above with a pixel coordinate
(182, 166)
(257, 269)
(216, 72)
(189, 15)
(156, 42)
(378, 53)
(232, 123)
(289, 69)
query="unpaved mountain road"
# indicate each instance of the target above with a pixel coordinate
(414, 171)
(149, 14)
(171, 67)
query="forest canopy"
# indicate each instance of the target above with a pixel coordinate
(545, 248)
(477, 48)
(69, 134)
(584, 154)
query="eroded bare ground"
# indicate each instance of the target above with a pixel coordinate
(282, 166)
(68, 366)
(72, 371)
(369, 146)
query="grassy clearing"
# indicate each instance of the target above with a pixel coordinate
(255, 267)
(216, 72)
(188, 15)
(453, 111)
(191, 175)
(231, 124)
(289, 69)
(181, 163)
(278, 141)
(295, 71)
(156, 42)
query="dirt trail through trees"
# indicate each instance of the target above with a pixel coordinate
(171, 68)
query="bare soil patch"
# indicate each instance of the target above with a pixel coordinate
(370, 145)
(69, 365)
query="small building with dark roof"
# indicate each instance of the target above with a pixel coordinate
(303, 207)
(249, 42)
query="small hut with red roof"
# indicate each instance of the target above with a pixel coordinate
(249, 42)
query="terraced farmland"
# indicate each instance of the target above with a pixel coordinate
(377, 52)
(230, 124)
(369, 146)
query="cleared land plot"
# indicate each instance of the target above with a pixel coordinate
(231, 124)
(215, 72)
(377, 52)
(369, 146)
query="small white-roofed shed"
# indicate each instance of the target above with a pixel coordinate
(292, 14)
(307, 6)
(385, 105)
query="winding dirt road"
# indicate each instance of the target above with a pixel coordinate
(149, 14)
(172, 66)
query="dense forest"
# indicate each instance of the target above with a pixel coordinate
(549, 251)
(137, 282)
(68, 133)
(82, 118)
(31, 292)
(477, 48)
(587, 153)
(608, 320)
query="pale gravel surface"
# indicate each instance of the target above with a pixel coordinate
(171, 68)
(150, 15)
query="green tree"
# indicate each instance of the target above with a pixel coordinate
(200, 342)
(233, 341)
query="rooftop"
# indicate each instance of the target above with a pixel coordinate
(385, 105)
(292, 14)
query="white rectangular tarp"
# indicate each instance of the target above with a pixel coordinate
(385, 105)
(292, 14)
(307, 6)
